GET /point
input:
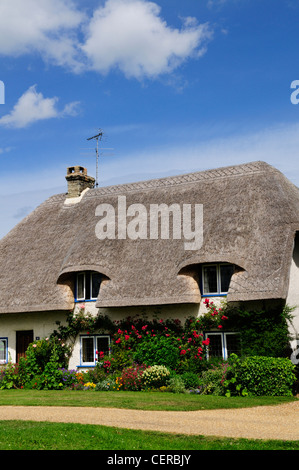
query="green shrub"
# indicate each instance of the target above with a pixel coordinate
(190, 379)
(42, 366)
(262, 332)
(211, 380)
(121, 358)
(176, 384)
(260, 375)
(157, 350)
(155, 376)
(10, 376)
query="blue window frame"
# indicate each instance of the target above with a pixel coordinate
(90, 348)
(223, 344)
(87, 285)
(215, 278)
(3, 350)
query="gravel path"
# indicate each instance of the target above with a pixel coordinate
(262, 422)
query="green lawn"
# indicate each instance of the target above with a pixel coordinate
(132, 400)
(28, 435)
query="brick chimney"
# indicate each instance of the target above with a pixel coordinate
(78, 180)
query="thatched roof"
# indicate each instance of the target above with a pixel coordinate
(250, 216)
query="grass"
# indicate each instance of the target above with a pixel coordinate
(29, 435)
(133, 400)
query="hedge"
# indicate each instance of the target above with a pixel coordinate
(260, 375)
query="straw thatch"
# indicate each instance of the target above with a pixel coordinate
(250, 217)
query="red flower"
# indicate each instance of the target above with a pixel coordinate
(127, 337)
(182, 352)
(219, 326)
(206, 342)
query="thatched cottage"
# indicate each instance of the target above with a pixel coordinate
(162, 244)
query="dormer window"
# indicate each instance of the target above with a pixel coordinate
(216, 278)
(87, 285)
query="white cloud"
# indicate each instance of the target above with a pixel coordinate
(44, 26)
(130, 35)
(32, 107)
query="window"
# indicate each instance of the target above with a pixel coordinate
(87, 285)
(3, 350)
(223, 344)
(216, 278)
(91, 346)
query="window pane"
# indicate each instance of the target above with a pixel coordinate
(103, 344)
(226, 272)
(2, 350)
(215, 346)
(81, 286)
(233, 344)
(95, 287)
(210, 279)
(87, 350)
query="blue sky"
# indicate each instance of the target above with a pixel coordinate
(176, 86)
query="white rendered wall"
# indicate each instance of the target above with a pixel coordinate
(293, 295)
(42, 324)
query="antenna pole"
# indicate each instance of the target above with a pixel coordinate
(97, 137)
(97, 162)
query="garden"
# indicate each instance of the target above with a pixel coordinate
(162, 355)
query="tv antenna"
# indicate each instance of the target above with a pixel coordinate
(97, 137)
